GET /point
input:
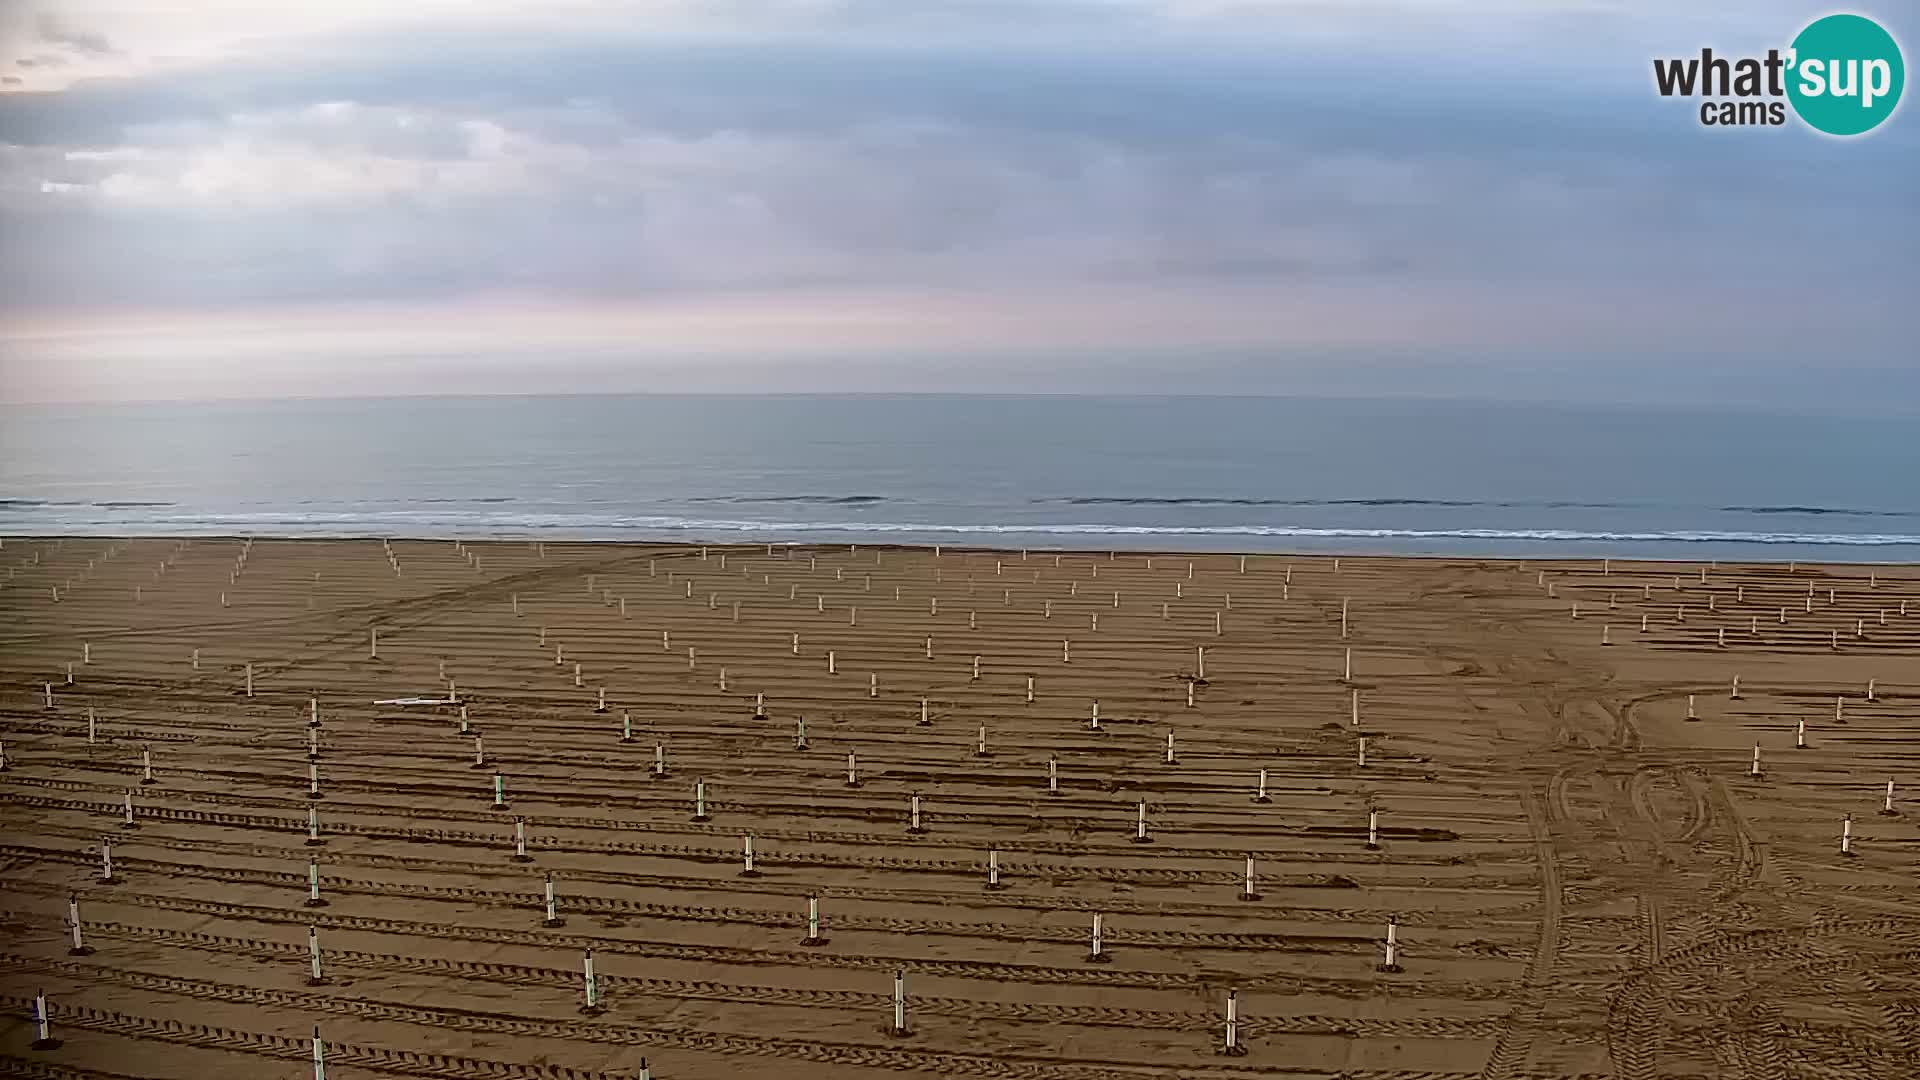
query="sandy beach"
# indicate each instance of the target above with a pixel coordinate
(1583, 875)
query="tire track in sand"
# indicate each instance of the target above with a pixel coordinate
(1515, 1045)
(817, 1051)
(874, 1003)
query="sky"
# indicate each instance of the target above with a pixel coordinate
(1481, 198)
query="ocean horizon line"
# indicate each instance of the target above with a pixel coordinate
(1733, 407)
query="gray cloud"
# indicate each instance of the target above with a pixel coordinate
(54, 31)
(399, 166)
(366, 201)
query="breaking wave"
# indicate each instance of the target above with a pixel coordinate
(429, 523)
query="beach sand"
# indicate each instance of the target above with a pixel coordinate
(1586, 882)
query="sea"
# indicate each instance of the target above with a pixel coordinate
(1254, 474)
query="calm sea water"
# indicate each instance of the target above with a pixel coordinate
(1251, 474)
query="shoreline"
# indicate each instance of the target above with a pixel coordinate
(1200, 540)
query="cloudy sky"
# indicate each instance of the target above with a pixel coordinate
(225, 198)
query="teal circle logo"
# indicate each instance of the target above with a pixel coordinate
(1845, 75)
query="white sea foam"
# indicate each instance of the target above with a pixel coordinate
(432, 523)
